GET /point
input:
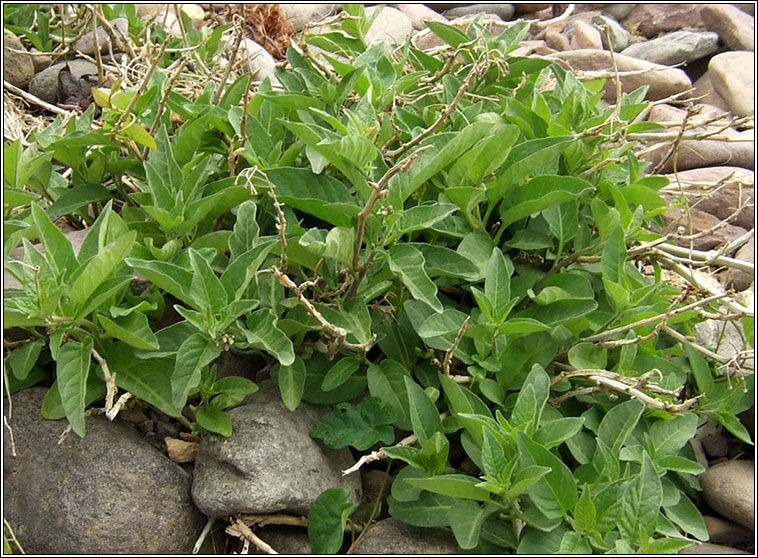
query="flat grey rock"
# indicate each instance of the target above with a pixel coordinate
(270, 463)
(729, 488)
(111, 491)
(675, 48)
(392, 536)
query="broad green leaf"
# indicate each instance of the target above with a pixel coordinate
(466, 520)
(73, 364)
(641, 501)
(679, 464)
(339, 373)
(412, 456)
(448, 33)
(688, 517)
(563, 220)
(455, 485)
(360, 426)
(424, 415)
(523, 159)
(583, 356)
(232, 390)
(614, 256)
(521, 325)
(574, 543)
(408, 264)
(77, 198)
(262, 332)
(211, 206)
(531, 400)
(448, 323)
(423, 216)
(133, 329)
(667, 546)
(437, 158)
(242, 270)
(428, 510)
(291, 380)
(535, 542)
(439, 260)
(214, 419)
(194, 353)
(327, 519)
(206, 290)
(555, 432)
(167, 276)
(734, 425)
(539, 194)
(387, 382)
(526, 477)
(669, 436)
(58, 248)
(23, 358)
(316, 194)
(618, 423)
(554, 494)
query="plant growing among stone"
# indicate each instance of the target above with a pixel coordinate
(453, 249)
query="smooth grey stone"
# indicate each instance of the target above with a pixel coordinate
(619, 35)
(729, 488)
(86, 44)
(270, 463)
(50, 86)
(392, 536)
(18, 67)
(503, 11)
(675, 48)
(109, 491)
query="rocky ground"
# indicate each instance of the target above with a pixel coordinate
(142, 485)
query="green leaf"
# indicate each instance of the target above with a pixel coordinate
(641, 501)
(523, 159)
(584, 511)
(242, 270)
(428, 510)
(387, 382)
(359, 426)
(584, 356)
(213, 419)
(555, 494)
(77, 198)
(448, 33)
(246, 229)
(408, 264)
(73, 364)
(553, 433)
(316, 194)
(170, 277)
(291, 380)
(688, 517)
(574, 543)
(667, 546)
(467, 519)
(497, 285)
(563, 220)
(679, 464)
(262, 332)
(133, 329)
(522, 325)
(539, 194)
(327, 519)
(614, 256)
(423, 216)
(526, 477)
(58, 249)
(734, 425)
(668, 436)
(23, 358)
(447, 324)
(232, 390)
(618, 423)
(454, 485)
(206, 289)
(339, 373)
(425, 417)
(194, 353)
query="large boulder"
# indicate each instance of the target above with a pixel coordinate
(729, 488)
(392, 536)
(735, 27)
(111, 491)
(733, 77)
(270, 463)
(675, 48)
(663, 81)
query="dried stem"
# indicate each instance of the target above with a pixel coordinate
(36, 100)
(449, 354)
(378, 191)
(240, 530)
(475, 72)
(337, 334)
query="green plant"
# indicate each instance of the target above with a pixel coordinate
(454, 250)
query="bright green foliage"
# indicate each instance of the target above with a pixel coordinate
(444, 247)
